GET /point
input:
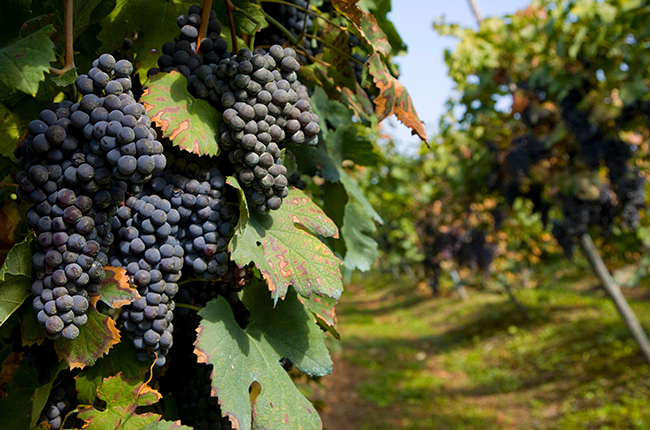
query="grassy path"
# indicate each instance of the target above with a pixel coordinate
(414, 362)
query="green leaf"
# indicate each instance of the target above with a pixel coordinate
(122, 397)
(96, 338)
(191, 124)
(322, 308)
(12, 125)
(42, 393)
(23, 63)
(65, 79)
(243, 356)
(15, 278)
(16, 409)
(335, 112)
(122, 358)
(243, 23)
(88, 12)
(361, 247)
(349, 142)
(339, 59)
(243, 205)
(154, 23)
(116, 289)
(284, 246)
(23, 406)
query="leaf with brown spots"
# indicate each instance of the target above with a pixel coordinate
(322, 308)
(116, 289)
(350, 9)
(191, 124)
(96, 338)
(374, 35)
(284, 245)
(243, 356)
(122, 397)
(393, 98)
(339, 68)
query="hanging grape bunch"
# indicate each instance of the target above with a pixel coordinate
(75, 190)
(262, 101)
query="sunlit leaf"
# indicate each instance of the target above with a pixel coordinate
(191, 124)
(242, 356)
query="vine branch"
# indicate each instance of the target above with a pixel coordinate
(7, 184)
(280, 27)
(68, 24)
(205, 20)
(329, 45)
(184, 305)
(230, 8)
(304, 26)
(311, 12)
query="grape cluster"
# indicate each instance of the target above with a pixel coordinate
(207, 222)
(579, 215)
(182, 56)
(525, 151)
(262, 108)
(294, 20)
(153, 258)
(77, 165)
(199, 294)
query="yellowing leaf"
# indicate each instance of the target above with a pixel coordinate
(122, 397)
(350, 9)
(284, 246)
(191, 124)
(394, 98)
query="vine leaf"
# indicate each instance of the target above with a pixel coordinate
(339, 59)
(243, 356)
(116, 289)
(121, 359)
(247, 16)
(322, 308)
(100, 333)
(374, 35)
(393, 98)
(192, 124)
(24, 62)
(21, 408)
(122, 397)
(15, 278)
(350, 9)
(358, 229)
(284, 246)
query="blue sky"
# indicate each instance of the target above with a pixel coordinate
(423, 69)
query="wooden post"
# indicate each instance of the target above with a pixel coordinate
(599, 268)
(476, 8)
(458, 285)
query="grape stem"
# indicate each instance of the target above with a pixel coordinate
(205, 20)
(304, 26)
(184, 305)
(329, 45)
(69, 39)
(187, 281)
(257, 25)
(7, 184)
(311, 12)
(230, 8)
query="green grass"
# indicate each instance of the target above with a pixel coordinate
(440, 363)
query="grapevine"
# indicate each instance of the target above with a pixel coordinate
(160, 191)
